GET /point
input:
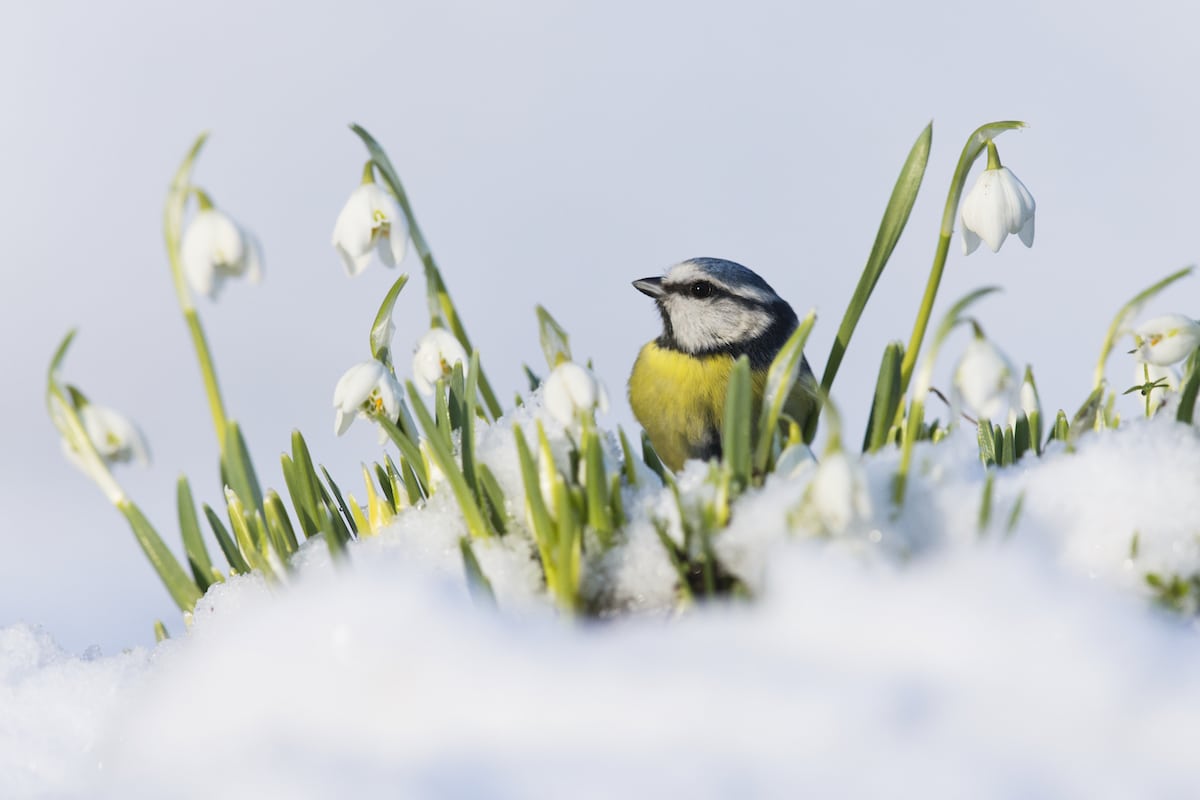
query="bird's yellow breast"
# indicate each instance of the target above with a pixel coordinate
(680, 399)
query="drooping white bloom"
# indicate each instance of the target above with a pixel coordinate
(435, 357)
(215, 248)
(997, 205)
(1166, 340)
(115, 437)
(570, 391)
(367, 389)
(837, 495)
(985, 382)
(370, 223)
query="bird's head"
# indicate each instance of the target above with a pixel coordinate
(710, 305)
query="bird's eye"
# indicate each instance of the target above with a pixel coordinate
(701, 289)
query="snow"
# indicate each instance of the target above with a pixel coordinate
(911, 655)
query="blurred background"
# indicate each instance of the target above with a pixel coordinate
(553, 152)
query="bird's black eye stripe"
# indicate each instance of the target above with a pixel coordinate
(701, 289)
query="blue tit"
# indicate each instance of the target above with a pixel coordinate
(713, 311)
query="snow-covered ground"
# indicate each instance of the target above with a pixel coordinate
(913, 656)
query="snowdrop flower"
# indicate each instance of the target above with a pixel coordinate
(370, 223)
(435, 357)
(985, 381)
(837, 495)
(215, 248)
(115, 437)
(367, 389)
(1166, 340)
(998, 204)
(571, 392)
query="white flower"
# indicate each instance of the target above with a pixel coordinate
(985, 381)
(435, 357)
(114, 436)
(370, 222)
(996, 206)
(366, 389)
(837, 495)
(1166, 340)
(215, 248)
(570, 391)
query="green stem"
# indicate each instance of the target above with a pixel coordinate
(209, 373)
(176, 205)
(993, 156)
(926, 310)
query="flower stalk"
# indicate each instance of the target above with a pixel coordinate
(177, 198)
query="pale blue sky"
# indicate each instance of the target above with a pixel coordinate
(554, 152)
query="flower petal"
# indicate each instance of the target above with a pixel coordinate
(1026, 232)
(252, 263)
(970, 241)
(356, 385)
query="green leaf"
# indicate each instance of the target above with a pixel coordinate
(532, 377)
(568, 548)
(735, 432)
(477, 583)
(160, 632)
(279, 524)
(254, 551)
(1022, 437)
(895, 217)
(298, 490)
(1008, 452)
(410, 455)
(233, 555)
(193, 542)
(987, 444)
(555, 343)
(887, 398)
(545, 529)
(1014, 516)
(1062, 428)
(493, 499)
(617, 509)
(628, 463)
(444, 455)
(381, 329)
(385, 485)
(985, 505)
(341, 503)
(598, 509)
(781, 379)
(651, 459)
(182, 589)
(238, 469)
(1187, 397)
(1085, 418)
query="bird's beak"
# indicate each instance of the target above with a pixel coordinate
(651, 287)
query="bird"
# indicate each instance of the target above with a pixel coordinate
(713, 311)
